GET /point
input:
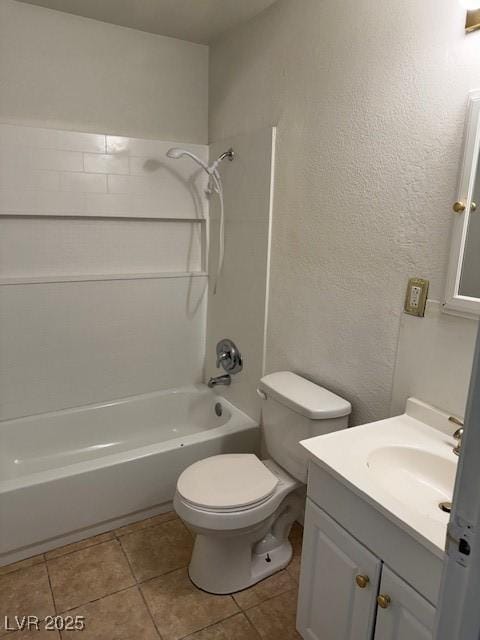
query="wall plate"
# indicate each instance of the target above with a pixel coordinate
(416, 297)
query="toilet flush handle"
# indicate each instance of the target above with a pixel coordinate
(262, 394)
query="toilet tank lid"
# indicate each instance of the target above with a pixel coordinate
(303, 396)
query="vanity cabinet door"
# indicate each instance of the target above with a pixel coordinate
(338, 582)
(406, 614)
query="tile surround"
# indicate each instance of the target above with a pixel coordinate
(93, 578)
(33, 160)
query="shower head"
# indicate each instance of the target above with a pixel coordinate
(214, 186)
(177, 152)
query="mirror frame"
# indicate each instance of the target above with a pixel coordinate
(454, 301)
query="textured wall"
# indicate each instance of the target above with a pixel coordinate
(369, 99)
(59, 70)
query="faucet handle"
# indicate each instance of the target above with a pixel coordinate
(458, 435)
(221, 357)
(456, 421)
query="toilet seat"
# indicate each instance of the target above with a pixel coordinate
(227, 482)
(228, 518)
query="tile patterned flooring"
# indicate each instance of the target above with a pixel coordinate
(132, 584)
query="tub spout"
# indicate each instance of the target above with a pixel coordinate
(224, 380)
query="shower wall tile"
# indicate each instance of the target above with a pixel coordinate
(36, 202)
(95, 249)
(61, 247)
(142, 181)
(74, 343)
(50, 159)
(83, 182)
(108, 204)
(105, 163)
(143, 147)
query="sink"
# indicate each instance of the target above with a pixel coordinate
(415, 476)
(403, 466)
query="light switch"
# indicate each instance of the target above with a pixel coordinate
(416, 298)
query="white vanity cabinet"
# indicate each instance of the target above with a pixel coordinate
(343, 587)
(331, 605)
(408, 615)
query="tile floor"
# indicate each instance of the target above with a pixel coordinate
(132, 584)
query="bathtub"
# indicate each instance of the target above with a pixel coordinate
(74, 473)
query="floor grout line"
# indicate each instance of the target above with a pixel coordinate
(209, 626)
(51, 588)
(107, 595)
(149, 612)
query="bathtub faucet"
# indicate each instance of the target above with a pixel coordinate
(225, 380)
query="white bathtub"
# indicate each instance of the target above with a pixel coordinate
(70, 474)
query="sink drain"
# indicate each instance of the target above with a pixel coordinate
(445, 506)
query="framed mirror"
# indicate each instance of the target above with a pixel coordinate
(463, 277)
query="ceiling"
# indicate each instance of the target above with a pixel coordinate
(194, 20)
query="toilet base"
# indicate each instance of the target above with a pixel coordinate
(230, 577)
(226, 562)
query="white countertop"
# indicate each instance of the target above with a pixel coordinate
(403, 466)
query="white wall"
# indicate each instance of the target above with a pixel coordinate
(434, 360)
(102, 268)
(369, 99)
(238, 310)
(64, 71)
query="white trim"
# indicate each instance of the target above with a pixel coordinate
(269, 247)
(453, 299)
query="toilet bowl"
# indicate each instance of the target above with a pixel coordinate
(241, 508)
(231, 502)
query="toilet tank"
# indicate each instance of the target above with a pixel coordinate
(294, 409)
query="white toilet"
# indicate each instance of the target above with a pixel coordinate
(241, 508)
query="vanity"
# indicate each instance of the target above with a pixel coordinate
(375, 527)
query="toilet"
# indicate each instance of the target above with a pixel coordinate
(241, 508)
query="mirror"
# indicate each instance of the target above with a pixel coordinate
(463, 278)
(470, 276)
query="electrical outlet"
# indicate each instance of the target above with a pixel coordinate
(416, 298)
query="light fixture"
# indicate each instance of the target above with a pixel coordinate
(473, 14)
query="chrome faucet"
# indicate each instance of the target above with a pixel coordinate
(224, 380)
(458, 435)
(230, 359)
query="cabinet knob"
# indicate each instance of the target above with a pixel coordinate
(362, 581)
(384, 601)
(459, 207)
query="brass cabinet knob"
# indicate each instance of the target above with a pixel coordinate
(473, 206)
(459, 207)
(362, 581)
(384, 601)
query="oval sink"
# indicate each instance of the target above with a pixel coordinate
(418, 478)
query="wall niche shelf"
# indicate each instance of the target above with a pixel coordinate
(99, 277)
